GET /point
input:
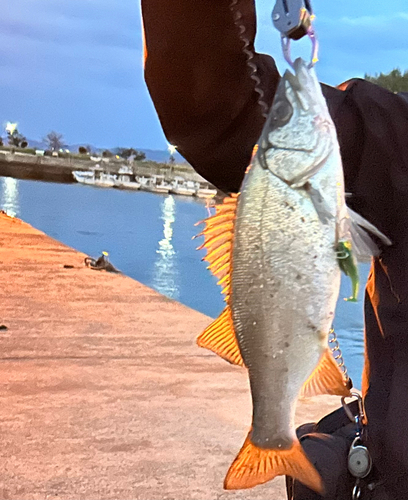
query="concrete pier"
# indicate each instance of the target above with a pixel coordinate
(103, 392)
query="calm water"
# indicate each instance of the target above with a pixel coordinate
(149, 237)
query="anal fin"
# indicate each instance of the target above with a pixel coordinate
(327, 378)
(220, 338)
(255, 466)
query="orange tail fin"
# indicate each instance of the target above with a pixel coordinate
(255, 466)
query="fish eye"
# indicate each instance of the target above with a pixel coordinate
(281, 112)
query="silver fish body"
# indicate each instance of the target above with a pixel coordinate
(274, 248)
(284, 287)
(285, 278)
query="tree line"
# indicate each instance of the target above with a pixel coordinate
(55, 142)
(395, 80)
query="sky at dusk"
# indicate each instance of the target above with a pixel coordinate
(75, 66)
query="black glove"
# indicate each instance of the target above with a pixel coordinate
(327, 445)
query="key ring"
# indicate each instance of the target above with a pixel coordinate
(356, 495)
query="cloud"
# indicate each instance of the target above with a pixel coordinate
(374, 22)
(66, 43)
(368, 34)
(73, 23)
(76, 65)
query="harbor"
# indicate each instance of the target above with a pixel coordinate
(151, 176)
(104, 391)
(126, 179)
(149, 237)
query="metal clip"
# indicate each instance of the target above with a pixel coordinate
(354, 418)
(359, 459)
(315, 49)
(293, 18)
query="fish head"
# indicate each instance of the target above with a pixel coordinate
(299, 132)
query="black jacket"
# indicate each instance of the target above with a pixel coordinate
(199, 81)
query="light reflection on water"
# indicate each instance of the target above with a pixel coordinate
(9, 196)
(149, 237)
(165, 272)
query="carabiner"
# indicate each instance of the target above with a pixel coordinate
(293, 19)
(357, 419)
(315, 48)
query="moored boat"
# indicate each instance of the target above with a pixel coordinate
(154, 184)
(132, 185)
(95, 177)
(126, 179)
(183, 187)
(204, 191)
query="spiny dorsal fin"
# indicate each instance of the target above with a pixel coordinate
(218, 234)
(255, 466)
(327, 378)
(219, 337)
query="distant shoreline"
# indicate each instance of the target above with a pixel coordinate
(54, 169)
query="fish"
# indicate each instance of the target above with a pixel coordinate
(274, 248)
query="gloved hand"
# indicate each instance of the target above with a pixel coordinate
(327, 445)
(328, 453)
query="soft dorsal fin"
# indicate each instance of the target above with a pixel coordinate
(218, 234)
(219, 337)
(326, 378)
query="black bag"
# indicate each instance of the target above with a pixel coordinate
(327, 445)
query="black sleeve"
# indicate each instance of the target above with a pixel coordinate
(198, 78)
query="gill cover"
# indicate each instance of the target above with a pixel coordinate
(298, 133)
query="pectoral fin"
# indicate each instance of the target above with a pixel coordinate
(321, 206)
(327, 378)
(363, 246)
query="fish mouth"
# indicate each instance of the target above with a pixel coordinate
(288, 104)
(282, 148)
(263, 149)
(301, 178)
